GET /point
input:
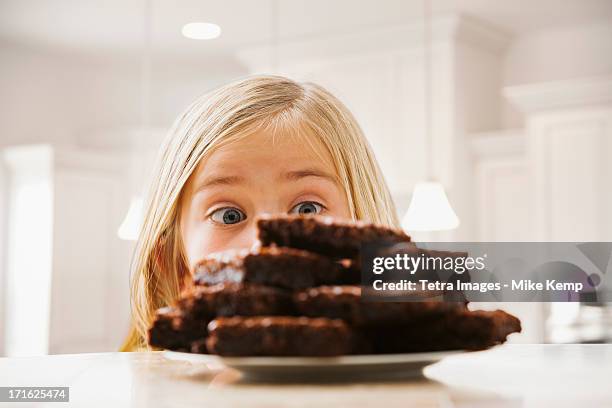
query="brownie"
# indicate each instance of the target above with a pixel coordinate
(229, 299)
(324, 235)
(344, 302)
(466, 330)
(298, 295)
(173, 330)
(178, 327)
(279, 336)
(281, 267)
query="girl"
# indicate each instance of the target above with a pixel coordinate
(264, 144)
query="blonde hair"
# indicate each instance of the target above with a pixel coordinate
(214, 119)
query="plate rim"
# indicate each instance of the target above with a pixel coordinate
(290, 361)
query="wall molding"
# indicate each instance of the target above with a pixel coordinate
(570, 93)
(29, 158)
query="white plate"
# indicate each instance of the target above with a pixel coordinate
(409, 364)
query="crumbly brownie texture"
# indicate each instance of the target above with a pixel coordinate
(282, 267)
(279, 336)
(324, 235)
(204, 303)
(173, 330)
(176, 328)
(220, 267)
(467, 330)
(344, 302)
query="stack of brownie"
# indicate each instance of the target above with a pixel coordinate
(299, 294)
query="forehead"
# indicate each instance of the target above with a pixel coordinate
(266, 152)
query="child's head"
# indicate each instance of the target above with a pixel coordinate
(264, 144)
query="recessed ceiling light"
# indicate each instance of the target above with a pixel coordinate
(201, 31)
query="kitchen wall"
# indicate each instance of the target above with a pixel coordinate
(86, 107)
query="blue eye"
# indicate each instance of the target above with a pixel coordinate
(307, 208)
(227, 216)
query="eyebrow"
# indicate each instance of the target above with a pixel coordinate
(300, 174)
(220, 181)
(295, 175)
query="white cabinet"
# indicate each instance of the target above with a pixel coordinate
(66, 271)
(569, 146)
(502, 184)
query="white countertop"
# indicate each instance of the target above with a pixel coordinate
(506, 376)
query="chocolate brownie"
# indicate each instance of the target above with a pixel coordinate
(229, 299)
(324, 235)
(467, 330)
(176, 328)
(282, 267)
(344, 302)
(278, 336)
(173, 330)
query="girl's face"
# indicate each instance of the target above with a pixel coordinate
(257, 175)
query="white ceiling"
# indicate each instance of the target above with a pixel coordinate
(117, 25)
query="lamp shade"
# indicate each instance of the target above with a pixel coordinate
(130, 227)
(429, 209)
